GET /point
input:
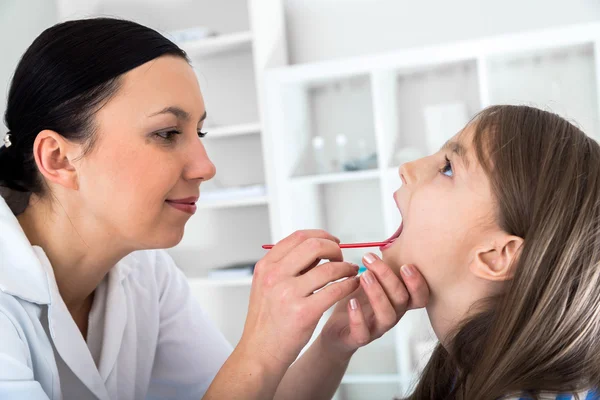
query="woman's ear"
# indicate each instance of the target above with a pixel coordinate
(493, 263)
(54, 158)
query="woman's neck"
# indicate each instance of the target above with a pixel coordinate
(80, 251)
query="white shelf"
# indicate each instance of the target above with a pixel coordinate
(233, 130)
(214, 282)
(231, 203)
(374, 378)
(219, 44)
(337, 177)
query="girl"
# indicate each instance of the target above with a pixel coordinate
(511, 206)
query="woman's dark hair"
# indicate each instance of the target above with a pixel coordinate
(63, 79)
(543, 332)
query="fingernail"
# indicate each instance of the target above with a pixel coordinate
(353, 304)
(369, 258)
(368, 277)
(356, 267)
(407, 270)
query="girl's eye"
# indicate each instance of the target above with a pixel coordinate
(202, 134)
(447, 169)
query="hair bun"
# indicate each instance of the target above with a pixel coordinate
(7, 140)
(11, 176)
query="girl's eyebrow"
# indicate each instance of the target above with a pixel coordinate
(458, 149)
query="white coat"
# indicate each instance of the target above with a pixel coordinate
(147, 336)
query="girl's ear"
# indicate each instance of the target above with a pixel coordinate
(493, 262)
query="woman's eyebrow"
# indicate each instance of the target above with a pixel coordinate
(178, 112)
(457, 149)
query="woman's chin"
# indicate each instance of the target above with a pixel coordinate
(165, 239)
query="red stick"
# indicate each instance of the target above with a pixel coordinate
(344, 245)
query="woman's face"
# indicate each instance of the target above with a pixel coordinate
(142, 177)
(448, 213)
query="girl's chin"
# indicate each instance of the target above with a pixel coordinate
(392, 261)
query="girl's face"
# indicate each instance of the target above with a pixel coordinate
(449, 218)
(142, 177)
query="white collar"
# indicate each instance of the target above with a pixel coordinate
(22, 273)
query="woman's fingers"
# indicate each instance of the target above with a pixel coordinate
(283, 247)
(417, 287)
(359, 329)
(331, 294)
(384, 312)
(392, 285)
(323, 274)
(305, 254)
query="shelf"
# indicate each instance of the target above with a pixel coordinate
(219, 44)
(550, 79)
(337, 177)
(231, 203)
(214, 282)
(374, 378)
(233, 130)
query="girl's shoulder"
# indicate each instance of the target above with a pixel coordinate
(585, 395)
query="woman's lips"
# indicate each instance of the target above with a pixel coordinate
(187, 205)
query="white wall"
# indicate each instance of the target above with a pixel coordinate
(20, 23)
(328, 29)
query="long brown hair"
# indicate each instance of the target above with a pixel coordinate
(543, 333)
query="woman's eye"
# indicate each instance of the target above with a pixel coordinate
(168, 136)
(447, 169)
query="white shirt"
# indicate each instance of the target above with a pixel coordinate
(147, 336)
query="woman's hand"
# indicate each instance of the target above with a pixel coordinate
(284, 310)
(374, 308)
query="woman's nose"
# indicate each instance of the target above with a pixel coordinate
(199, 167)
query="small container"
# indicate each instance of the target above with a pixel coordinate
(318, 145)
(341, 142)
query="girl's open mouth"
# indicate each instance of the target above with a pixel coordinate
(393, 238)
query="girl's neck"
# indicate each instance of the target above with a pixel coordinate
(447, 311)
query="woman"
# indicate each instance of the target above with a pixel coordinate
(104, 117)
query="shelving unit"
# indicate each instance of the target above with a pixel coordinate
(231, 226)
(405, 105)
(234, 130)
(227, 283)
(245, 202)
(336, 177)
(370, 379)
(214, 46)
